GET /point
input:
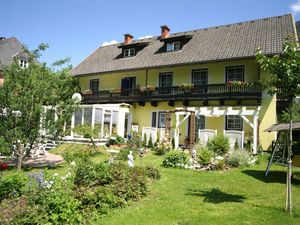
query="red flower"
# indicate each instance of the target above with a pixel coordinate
(4, 166)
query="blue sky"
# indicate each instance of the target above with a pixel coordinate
(76, 28)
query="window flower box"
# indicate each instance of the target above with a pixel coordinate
(186, 87)
(147, 89)
(115, 90)
(235, 83)
(87, 92)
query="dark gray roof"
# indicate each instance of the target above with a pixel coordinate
(10, 48)
(227, 42)
(283, 126)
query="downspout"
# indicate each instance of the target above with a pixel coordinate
(146, 78)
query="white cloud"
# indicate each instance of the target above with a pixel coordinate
(149, 36)
(109, 42)
(295, 7)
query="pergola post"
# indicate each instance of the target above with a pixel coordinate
(176, 131)
(93, 117)
(102, 122)
(110, 122)
(121, 122)
(255, 141)
(72, 124)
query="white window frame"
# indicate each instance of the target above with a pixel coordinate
(23, 63)
(199, 81)
(173, 46)
(204, 121)
(129, 52)
(235, 118)
(159, 125)
(235, 67)
(91, 86)
(157, 119)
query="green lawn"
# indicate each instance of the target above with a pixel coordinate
(237, 196)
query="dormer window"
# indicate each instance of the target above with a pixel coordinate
(173, 46)
(23, 63)
(129, 52)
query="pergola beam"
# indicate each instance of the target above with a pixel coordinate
(216, 111)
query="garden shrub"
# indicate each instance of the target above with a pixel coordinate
(205, 155)
(219, 144)
(152, 172)
(30, 215)
(12, 186)
(52, 201)
(87, 190)
(5, 147)
(70, 156)
(161, 148)
(134, 142)
(118, 140)
(236, 145)
(123, 154)
(175, 158)
(19, 206)
(60, 207)
(144, 142)
(220, 164)
(239, 158)
(150, 142)
(88, 173)
(101, 198)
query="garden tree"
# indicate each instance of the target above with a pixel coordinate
(285, 81)
(24, 94)
(285, 117)
(89, 132)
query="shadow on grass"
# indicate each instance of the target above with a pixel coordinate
(215, 195)
(273, 176)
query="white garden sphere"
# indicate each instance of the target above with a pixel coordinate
(77, 97)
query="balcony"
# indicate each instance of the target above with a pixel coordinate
(201, 92)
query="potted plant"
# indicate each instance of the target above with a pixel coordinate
(186, 87)
(87, 92)
(147, 89)
(115, 90)
(235, 83)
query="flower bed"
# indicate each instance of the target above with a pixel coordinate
(79, 195)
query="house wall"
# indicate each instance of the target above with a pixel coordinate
(267, 116)
(183, 74)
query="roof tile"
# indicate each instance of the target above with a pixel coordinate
(235, 41)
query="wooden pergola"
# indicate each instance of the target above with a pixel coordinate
(192, 123)
(213, 111)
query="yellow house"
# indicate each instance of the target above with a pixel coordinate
(210, 73)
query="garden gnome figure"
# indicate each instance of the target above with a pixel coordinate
(141, 153)
(130, 159)
(194, 153)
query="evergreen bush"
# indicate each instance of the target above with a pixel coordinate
(219, 144)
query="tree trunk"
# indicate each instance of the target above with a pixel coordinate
(20, 158)
(94, 145)
(289, 163)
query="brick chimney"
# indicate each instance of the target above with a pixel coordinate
(164, 31)
(127, 38)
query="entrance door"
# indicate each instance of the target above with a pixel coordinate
(127, 85)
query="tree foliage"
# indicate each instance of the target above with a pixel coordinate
(284, 70)
(285, 117)
(23, 96)
(284, 81)
(89, 132)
